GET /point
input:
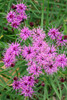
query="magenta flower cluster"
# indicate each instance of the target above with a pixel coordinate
(24, 85)
(11, 53)
(42, 56)
(16, 16)
(25, 33)
(57, 36)
(39, 55)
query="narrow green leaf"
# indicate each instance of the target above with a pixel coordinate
(55, 88)
(42, 16)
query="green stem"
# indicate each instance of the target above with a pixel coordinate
(16, 72)
(42, 17)
(47, 17)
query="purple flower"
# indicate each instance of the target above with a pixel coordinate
(20, 8)
(28, 52)
(54, 34)
(61, 42)
(38, 34)
(25, 33)
(40, 46)
(8, 60)
(13, 51)
(35, 70)
(25, 85)
(51, 50)
(24, 16)
(15, 24)
(27, 91)
(27, 81)
(20, 17)
(11, 15)
(30, 63)
(61, 60)
(15, 48)
(16, 85)
(51, 68)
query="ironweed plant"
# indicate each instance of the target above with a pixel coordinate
(35, 62)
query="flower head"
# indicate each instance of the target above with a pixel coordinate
(15, 24)
(20, 8)
(54, 34)
(27, 92)
(11, 53)
(61, 60)
(28, 52)
(16, 85)
(11, 15)
(38, 34)
(35, 70)
(51, 68)
(25, 33)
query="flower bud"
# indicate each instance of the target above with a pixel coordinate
(5, 28)
(42, 84)
(13, 6)
(15, 78)
(62, 79)
(31, 24)
(65, 37)
(12, 65)
(36, 81)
